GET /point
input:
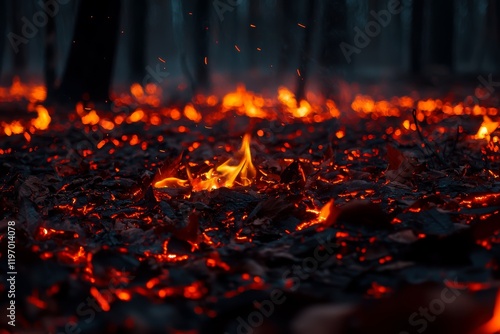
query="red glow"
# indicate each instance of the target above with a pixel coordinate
(493, 325)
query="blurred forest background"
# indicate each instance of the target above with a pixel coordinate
(92, 46)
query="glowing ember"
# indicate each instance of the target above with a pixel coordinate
(325, 211)
(136, 116)
(191, 113)
(377, 291)
(287, 98)
(284, 106)
(325, 215)
(103, 303)
(91, 118)
(19, 91)
(43, 120)
(366, 105)
(14, 127)
(40, 123)
(97, 183)
(244, 102)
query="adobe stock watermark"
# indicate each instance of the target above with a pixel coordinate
(372, 29)
(296, 274)
(483, 91)
(222, 6)
(155, 75)
(39, 20)
(270, 133)
(420, 320)
(488, 84)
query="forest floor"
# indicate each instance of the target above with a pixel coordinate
(413, 225)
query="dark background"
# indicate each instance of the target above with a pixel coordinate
(90, 46)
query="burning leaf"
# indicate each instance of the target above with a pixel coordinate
(326, 217)
(294, 174)
(362, 214)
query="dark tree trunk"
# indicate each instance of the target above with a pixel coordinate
(417, 25)
(493, 21)
(495, 9)
(21, 54)
(3, 32)
(487, 44)
(138, 19)
(179, 30)
(50, 57)
(333, 32)
(202, 41)
(306, 49)
(442, 33)
(288, 23)
(91, 58)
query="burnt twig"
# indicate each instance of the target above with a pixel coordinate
(426, 144)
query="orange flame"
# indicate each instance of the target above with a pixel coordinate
(324, 216)
(171, 182)
(228, 174)
(487, 127)
(238, 170)
(492, 326)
